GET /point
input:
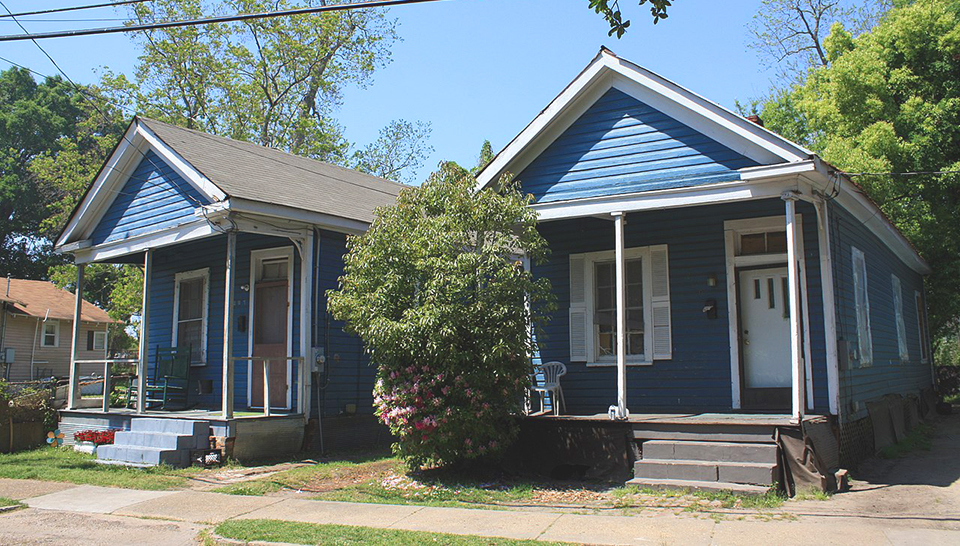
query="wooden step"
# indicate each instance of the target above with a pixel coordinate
(697, 485)
(709, 471)
(697, 450)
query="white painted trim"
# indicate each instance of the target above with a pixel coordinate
(304, 380)
(103, 336)
(862, 315)
(621, 411)
(186, 276)
(56, 334)
(829, 306)
(591, 258)
(323, 221)
(228, 371)
(918, 299)
(607, 70)
(256, 257)
(732, 229)
(794, 257)
(136, 142)
(134, 245)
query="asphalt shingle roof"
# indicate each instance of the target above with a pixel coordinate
(43, 299)
(256, 173)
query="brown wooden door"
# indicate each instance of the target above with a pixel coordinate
(270, 339)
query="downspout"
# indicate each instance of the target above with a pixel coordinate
(316, 336)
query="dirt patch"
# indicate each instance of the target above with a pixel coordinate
(343, 478)
(228, 476)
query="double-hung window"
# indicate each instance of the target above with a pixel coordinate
(862, 301)
(190, 309)
(51, 333)
(593, 306)
(898, 316)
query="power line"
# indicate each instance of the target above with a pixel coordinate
(908, 173)
(73, 8)
(210, 20)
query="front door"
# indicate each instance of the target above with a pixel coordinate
(270, 331)
(765, 339)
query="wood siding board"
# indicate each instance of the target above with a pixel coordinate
(20, 336)
(621, 145)
(698, 376)
(155, 197)
(887, 374)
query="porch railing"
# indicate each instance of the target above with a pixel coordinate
(106, 362)
(269, 361)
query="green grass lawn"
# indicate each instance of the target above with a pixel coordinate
(308, 533)
(66, 465)
(5, 502)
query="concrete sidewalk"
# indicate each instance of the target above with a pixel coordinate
(196, 507)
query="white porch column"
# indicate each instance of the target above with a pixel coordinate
(144, 332)
(306, 325)
(793, 281)
(620, 411)
(72, 396)
(229, 279)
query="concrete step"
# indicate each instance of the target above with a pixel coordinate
(190, 427)
(163, 440)
(690, 450)
(139, 455)
(696, 485)
(763, 474)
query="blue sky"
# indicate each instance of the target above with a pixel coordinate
(480, 69)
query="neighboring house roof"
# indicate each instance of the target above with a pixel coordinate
(249, 171)
(44, 300)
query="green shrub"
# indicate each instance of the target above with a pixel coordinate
(436, 290)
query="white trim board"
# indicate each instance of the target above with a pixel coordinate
(731, 229)
(607, 70)
(256, 257)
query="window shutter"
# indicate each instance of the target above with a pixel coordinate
(898, 315)
(578, 309)
(660, 303)
(90, 340)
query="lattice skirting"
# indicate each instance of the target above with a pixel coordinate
(856, 442)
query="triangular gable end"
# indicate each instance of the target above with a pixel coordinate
(608, 71)
(155, 197)
(144, 186)
(621, 145)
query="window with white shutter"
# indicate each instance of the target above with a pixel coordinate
(593, 306)
(862, 302)
(898, 316)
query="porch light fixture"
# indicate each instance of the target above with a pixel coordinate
(245, 287)
(712, 279)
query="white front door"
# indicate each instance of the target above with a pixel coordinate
(765, 338)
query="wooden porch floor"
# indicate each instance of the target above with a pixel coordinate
(760, 419)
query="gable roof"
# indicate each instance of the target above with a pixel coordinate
(607, 71)
(256, 173)
(43, 299)
(233, 174)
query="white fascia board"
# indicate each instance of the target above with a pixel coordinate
(317, 219)
(136, 142)
(607, 71)
(725, 192)
(133, 245)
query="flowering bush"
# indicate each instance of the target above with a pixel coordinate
(436, 291)
(98, 437)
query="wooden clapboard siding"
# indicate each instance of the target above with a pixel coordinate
(21, 334)
(621, 145)
(211, 253)
(887, 374)
(698, 377)
(154, 198)
(350, 377)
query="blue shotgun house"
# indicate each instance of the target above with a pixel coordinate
(239, 244)
(716, 283)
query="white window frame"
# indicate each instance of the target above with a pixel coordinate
(897, 288)
(102, 337)
(864, 331)
(56, 333)
(189, 276)
(922, 332)
(590, 261)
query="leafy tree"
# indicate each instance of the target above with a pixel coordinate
(275, 82)
(436, 293)
(610, 11)
(486, 156)
(33, 117)
(398, 153)
(788, 34)
(117, 288)
(889, 103)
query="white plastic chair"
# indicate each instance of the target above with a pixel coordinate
(552, 372)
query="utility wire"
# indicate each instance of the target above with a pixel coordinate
(73, 8)
(210, 20)
(908, 173)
